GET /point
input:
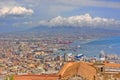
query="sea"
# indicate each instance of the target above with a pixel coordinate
(93, 47)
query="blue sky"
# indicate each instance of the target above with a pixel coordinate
(24, 14)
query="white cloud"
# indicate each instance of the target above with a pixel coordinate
(48, 9)
(16, 10)
(53, 8)
(81, 21)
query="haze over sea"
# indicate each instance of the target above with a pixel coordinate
(93, 47)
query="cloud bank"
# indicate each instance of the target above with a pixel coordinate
(15, 11)
(80, 21)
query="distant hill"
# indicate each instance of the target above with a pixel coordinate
(65, 30)
(73, 31)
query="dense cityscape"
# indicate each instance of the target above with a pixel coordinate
(21, 56)
(60, 40)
